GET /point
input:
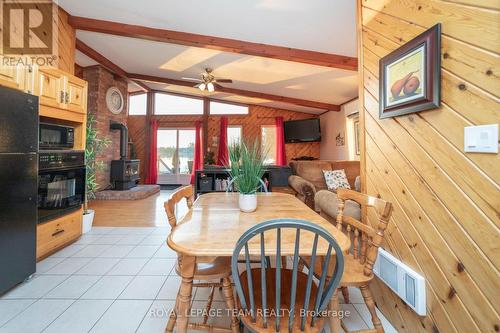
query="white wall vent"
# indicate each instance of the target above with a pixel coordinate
(404, 281)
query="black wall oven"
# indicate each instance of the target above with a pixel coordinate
(61, 183)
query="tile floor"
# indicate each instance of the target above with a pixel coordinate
(114, 280)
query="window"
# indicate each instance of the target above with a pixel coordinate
(137, 104)
(268, 143)
(233, 135)
(227, 108)
(168, 104)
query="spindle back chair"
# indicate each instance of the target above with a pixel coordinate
(219, 269)
(289, 300)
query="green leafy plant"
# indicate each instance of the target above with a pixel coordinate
(246, 167)
(93, 147)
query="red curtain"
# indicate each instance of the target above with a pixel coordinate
(198, 155)
(223, 154)
(152, 171)
(280, 142)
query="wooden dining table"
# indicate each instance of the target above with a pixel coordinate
(214, 224)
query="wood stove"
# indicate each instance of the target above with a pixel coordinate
(124, 172)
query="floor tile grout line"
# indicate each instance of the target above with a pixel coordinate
(34, 301)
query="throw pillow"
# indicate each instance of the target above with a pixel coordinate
(336, 179)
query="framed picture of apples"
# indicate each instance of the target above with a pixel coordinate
(410, 79)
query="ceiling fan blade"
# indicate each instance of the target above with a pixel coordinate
(217, 86)
(191, 79)
(224, 80)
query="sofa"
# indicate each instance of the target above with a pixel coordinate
(307, 179)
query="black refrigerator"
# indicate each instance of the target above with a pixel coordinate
(18, 186)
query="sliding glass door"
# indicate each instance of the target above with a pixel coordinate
(175, 155)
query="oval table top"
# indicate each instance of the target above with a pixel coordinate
(214, 224)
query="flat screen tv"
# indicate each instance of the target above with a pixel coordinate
(304, 130)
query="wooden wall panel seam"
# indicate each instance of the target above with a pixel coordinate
(455, 19)
(434, 302)
(475, 261)
(444, 188)
(478, 65)
(466, 288)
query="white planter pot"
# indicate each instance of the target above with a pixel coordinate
(87, 221)
(248, 202)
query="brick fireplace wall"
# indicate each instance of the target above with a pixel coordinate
(99, 81)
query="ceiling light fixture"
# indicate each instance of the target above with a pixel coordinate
(202, 86)
(210, 87)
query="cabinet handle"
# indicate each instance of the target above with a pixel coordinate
(60, 231)
(62, 96)
(66, 98)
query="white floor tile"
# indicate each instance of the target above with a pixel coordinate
(37, 316)
(117, 251)
(69, 266)
(203, 293)
(131, 240)
(154, 240)
(365, 314)
(143, 251)
(91, 251)
(108, 287)
(100, 230)
(123, 316)
(165, 252)
(108, 239)
(128, 266)
(87, 239)
(143, 287)
(98, 266)
(9, 308)
(68, 251)
(156, 318)
(158, 266)
(132, 231)
(80, 317)
(162, 231)
(73, 287)
(353, 321)
(220, 315)
(36, 287)
(170, 288)
(355, 296)
(46, 264)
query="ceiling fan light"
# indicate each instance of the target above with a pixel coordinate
(210, 87)
(202, 86)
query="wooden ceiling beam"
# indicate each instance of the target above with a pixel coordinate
(215, 43)
(240, 92)
(101, 59)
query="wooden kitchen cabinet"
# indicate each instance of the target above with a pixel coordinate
(57, 233)
(76, 94)
(50, 87)
(18, 77)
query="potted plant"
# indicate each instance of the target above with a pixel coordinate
(246, 170)
(93, 147)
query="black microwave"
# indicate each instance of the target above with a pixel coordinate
(53, 136)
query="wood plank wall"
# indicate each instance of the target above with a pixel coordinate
(66, 37)
(251, 126)
(447, 203)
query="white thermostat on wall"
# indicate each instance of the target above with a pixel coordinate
(481, 139)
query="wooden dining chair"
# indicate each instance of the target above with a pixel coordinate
(218, 270)
(365, 240)
(282, 300)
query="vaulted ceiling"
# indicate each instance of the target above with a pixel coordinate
(322, 26)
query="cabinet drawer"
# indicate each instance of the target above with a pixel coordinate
(52, 235)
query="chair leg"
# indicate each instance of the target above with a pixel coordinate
(227, 289)
(345, 294)
(333, 308)
(370, 303)
(173, 317)
(209, 305)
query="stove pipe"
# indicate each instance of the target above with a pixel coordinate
(123, 137)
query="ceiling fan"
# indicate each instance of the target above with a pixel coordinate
(207, 81)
